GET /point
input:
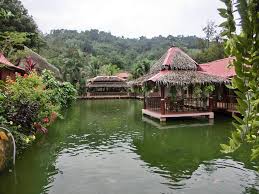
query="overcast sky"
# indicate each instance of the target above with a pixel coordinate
(129, 18)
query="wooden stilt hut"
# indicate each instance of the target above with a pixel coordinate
(176, 87)
(106, 87)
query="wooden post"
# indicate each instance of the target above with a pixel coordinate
(162, 92)
(210, 104)
(144, 101)
(162, 102)
(162, 106)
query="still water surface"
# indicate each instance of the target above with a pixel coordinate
(104, 147)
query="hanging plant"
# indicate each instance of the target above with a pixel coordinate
(173, 92)
(208, 90)
(146, 88)
(197, 91)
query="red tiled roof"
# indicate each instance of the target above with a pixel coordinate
(4, 61)
(220, 68)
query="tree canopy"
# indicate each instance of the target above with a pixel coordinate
(20, 21)
(17, 28)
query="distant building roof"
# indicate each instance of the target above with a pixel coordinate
(219, 67)
(106, 81)
(124, 75)
(7, 63)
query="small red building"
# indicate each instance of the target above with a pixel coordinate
(7, 69)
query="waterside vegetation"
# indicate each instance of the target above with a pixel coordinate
(31, 103)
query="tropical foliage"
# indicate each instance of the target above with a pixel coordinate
(61, 93)
(32, 102)
(109, 70)
(18, 20)
(244, 46)
(100, 49)
(141, 68)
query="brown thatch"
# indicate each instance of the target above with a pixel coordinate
(176, 68)
(187, 78)
(157, 66)
(140, 81)
(107, 85)
(174, 59)
(106, 79)
(41, 63)
(106, 82)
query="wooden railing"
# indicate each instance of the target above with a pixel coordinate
(107, 93)
(153, 103)
(180, 105)
(189, 104)
(227, 103)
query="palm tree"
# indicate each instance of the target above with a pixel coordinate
(141, 68)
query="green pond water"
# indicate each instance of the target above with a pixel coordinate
(104, 147)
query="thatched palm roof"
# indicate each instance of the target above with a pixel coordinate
(41, 63)
(106, 85)
(106, 82)
(176, 68)
(174, 59)
(140, 81)
(106, 79)
(184, 77)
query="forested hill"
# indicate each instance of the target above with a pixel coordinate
(82, 55)
(98, 48)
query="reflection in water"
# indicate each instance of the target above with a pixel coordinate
(193, 122)
(105, 147)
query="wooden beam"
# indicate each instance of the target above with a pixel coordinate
(144, 100)
(162, 91)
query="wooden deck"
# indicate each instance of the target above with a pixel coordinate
(105, 97)
(163, 117)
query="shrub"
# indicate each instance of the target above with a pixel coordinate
(28, 102)
(61, 93)
(31, 103)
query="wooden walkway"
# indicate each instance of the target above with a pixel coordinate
(110, 97)
(163, 118)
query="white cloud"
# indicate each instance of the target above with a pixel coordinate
(129, 18)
